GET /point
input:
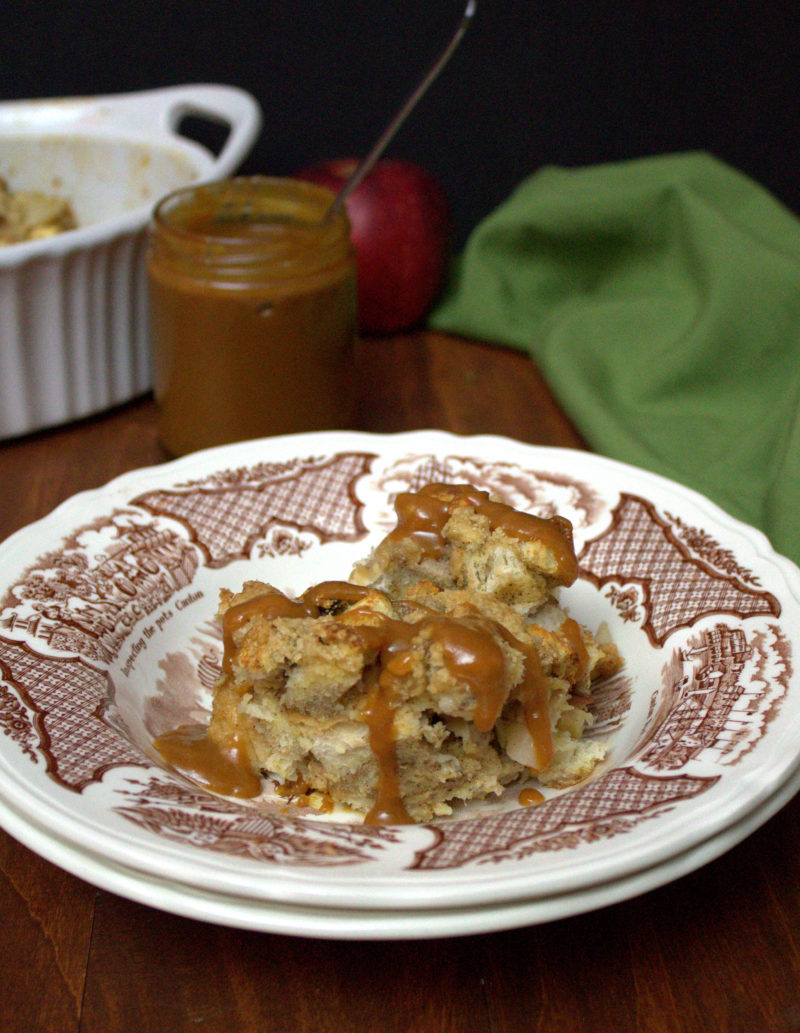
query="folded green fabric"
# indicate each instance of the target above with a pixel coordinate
(661, 299)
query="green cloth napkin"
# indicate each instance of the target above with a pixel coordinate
(661, 299)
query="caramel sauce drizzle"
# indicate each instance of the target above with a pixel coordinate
(422, 516)
(223, 769)
(378, 713)
(469, 646)
(470, 652)
(270, 605)
(529, 797)
(571, 631)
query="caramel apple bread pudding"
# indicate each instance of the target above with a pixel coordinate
(443, 670)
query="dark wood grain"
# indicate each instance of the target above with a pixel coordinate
(718, 950)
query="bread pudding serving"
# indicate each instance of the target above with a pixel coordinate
(443, 670)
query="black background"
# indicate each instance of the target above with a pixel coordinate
(533, 83)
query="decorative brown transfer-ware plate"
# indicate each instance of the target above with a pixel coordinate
(108, 638)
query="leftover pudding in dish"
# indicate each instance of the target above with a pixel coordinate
(31, 215)
(443, 670)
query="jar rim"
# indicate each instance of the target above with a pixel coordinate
(262, 202)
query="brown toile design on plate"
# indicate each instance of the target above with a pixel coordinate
(63, 703)
(715, 709)
(628, 602)
(614, 803)
(227, 513)
(543, 493)
(281, 542)
(79, 604)
(640, 548)
(15, 717)
(611, 701)
(84, 598)
(704, 545)
(182, 815)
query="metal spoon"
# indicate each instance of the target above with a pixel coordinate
(366, 164)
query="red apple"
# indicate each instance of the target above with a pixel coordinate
(400, 220)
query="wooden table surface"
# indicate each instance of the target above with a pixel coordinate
(717, 950)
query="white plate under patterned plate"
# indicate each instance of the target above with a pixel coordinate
(107, 639)
(376, 924)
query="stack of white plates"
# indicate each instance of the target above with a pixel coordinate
(107, 639)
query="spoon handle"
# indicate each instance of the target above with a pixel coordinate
(366, 164)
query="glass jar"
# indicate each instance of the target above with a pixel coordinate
(252, 311)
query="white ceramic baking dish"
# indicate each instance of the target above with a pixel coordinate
(73, 308)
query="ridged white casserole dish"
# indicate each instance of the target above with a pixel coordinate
(73, 307)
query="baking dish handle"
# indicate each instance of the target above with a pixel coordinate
(160, 111)
(225, 104)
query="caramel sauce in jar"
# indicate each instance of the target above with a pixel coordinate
(252, 312)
